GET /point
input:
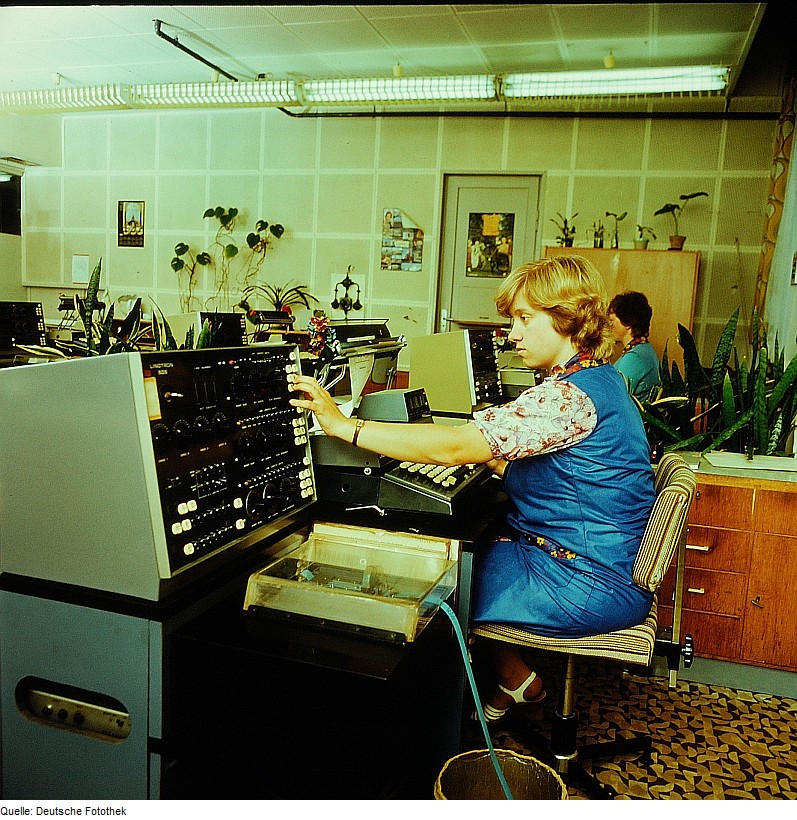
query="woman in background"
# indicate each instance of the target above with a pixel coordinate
(576, 467)
(630, 315)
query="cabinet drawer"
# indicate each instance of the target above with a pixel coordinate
(776, 512)
(711, 548)
(714, 636)
(718, 506)
(708, 591)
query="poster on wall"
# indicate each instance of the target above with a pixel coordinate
(130, 225)
(489, 251)
(402, 241)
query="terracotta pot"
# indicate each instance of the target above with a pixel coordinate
(641, 244)
(677, 242)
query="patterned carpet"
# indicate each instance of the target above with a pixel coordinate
(709, 742)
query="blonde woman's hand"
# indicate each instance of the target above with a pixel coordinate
(319, 402)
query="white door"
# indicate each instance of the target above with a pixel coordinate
(489, 228)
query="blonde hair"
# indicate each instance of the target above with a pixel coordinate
(571, 291)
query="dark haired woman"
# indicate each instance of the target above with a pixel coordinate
(630, 316)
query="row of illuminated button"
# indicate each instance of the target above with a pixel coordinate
(306, 482)
(191, 506)
(217, 537)
(437, 473)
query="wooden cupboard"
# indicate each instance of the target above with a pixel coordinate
(740, 583)
(667, 278)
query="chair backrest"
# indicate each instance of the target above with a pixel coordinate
(675, 486)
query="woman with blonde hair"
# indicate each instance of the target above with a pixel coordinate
(575, 463)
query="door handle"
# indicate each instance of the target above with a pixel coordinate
(699, 547)
(696, 590)
(757, 602)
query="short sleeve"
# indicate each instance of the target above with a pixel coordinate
(547, 417)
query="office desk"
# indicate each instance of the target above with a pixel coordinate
(278, 708)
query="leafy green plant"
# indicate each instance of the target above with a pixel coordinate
(676, 210)
(225, 250)
(280, 297)
(597, 234)
(616, 233)
(104, 336)
(644, 232)
(736, 405)
(185, 262)
(567, 230)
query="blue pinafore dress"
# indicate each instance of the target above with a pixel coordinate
(563, 566)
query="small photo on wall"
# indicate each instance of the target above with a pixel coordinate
(130, 224)
(489, 251)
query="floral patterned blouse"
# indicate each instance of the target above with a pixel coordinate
(550, 416)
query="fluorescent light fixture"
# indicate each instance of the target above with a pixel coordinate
(5, 177)
(266, 92)
(650, 83)
(87, 98)
(627, 81)
(463, 88)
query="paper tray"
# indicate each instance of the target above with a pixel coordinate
(361, 577)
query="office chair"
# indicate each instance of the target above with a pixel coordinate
(664, 536)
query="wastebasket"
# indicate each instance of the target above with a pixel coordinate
(472, 776)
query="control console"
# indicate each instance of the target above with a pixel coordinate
(230, 452)
(134, 473)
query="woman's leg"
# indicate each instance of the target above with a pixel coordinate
(512, 671)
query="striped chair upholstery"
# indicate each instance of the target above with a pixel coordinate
(675, 486)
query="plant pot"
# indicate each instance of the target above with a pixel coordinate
(677, 242)
(641, 244)
(568, 243)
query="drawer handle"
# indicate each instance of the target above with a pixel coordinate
(757, 602)
(696, 590)
(700, 547)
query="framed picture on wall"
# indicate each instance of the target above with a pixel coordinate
(130, 224)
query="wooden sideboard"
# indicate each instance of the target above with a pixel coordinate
(667, 278)
(740, 588)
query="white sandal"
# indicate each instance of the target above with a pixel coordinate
(491, 713)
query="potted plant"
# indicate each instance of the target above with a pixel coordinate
(597, 234)
(617, 219)
(104, 335)
(226, 250)
(675, 210)
(279, 297)
(744, 407)
(643, 236)
(567, 230)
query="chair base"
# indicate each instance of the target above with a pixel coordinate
(566, 759)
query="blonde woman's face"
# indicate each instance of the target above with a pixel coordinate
(537, 343)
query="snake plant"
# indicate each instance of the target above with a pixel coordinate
(103, 336)
(743, 406)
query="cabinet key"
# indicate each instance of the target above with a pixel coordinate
(757, 602)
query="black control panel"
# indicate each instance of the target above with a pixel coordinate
(21, 323)
(231, 454)
(486, 383)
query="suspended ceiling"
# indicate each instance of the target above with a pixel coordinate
(72, 46)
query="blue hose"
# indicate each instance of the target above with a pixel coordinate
(477, 700)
